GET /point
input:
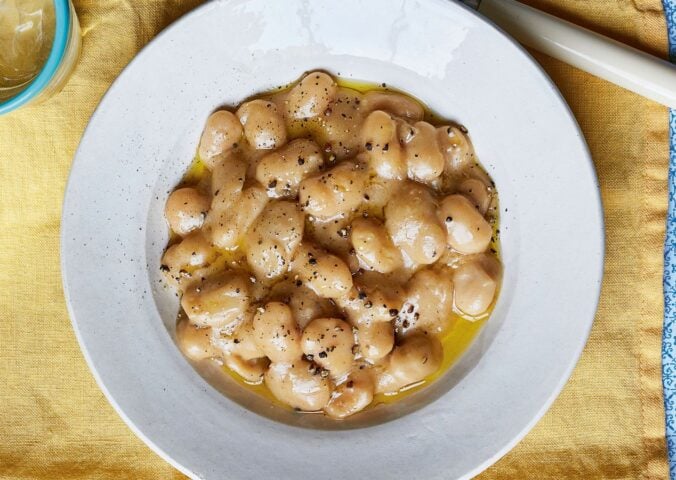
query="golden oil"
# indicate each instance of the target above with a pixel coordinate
(462, 332)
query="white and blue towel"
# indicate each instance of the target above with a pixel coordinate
(669, 279)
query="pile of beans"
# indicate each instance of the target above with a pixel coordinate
(334, 239)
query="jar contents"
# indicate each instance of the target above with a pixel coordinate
(26, 37)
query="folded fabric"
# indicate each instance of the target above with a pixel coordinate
(607, 423)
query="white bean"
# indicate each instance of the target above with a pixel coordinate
(379, 139)
(264, 127)
(376, 340)
(340, 124)
(227, 179)
(273, 238)
(475, 288)
(374, 247)
(323, 273)
(468, 231)
(374, 298)
(333, 235)
(457, 149)
(282, 171)
(378, 193)
(186, 210)
(226, 227)
(329, 341)
(195, 342)
(221, 133)
(276, 332)
(410, 219)
(429, 302)
(393, 103)
(251, 371)
(335, 192)
(424, 158)
(241, 342)
(312, 96)
(417, 357)
(477, 192)
(299, 385)
(220, 301)
(351, 396)
(305, 304)
(182, 261)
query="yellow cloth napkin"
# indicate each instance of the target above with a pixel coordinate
(608, 423)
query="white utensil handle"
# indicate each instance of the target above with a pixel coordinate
(621, 64)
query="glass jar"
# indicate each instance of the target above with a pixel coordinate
(56, 70)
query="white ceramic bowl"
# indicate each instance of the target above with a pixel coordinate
(143, 136)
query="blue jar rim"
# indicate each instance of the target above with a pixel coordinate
(62, 16)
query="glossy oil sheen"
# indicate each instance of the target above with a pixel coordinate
(462, 331)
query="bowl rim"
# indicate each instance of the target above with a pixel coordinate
(573, 360)
(62, 15)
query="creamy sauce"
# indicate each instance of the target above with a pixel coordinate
(26, 36)
(460, 329)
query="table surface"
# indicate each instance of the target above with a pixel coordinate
(607, 423)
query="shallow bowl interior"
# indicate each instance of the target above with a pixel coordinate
(142, 138)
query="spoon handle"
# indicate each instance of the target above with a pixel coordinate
(616, 62)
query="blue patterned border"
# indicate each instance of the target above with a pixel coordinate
(669, 279)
